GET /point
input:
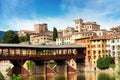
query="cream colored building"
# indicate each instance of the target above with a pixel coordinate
(65, 40)
(65, 37)
(71, 38)
(101, 32)
(24, 32)
(81, 26)
(82, 35)
(45, 38)
(68, 31)
(38, 29)
(40, 35)
(41, 28)
(113, 47)
(81, 30)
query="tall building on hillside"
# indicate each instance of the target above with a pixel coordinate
(40, 35)
(115, 30)
(68, 31)
(81, 26)
(40, 28)
(78, 24)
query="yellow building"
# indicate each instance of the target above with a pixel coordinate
(98, 45)
(87, 43)
(95, 48)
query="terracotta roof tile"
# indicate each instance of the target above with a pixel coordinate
(89, 23)
(29, 31)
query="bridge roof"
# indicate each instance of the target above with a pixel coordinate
(40, 46)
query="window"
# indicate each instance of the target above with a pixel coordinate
(113, 41)
(98, 45)
(118, 47)
(117, 40)
(99, 56)
(94, 52)
(113, 47)
(76, 27)
(102, 51)
(88, 52)
(99, 52)
(88, 46)
(102, 45)
(106, 51)
(94, 57)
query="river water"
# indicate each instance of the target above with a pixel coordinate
(74, 76)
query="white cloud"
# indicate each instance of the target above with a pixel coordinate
(20, 24)
(93, 10)
(101, 11)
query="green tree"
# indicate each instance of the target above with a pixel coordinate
(16, 77)
(21, 38)
(10, 37)
(24, 38)
(30, 65)
(104, 63)
(55, 34)
(27, 37)
(1, 76)
(8, 69)
(104, 76)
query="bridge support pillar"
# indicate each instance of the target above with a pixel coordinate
(40, 67)
(80, 65)
(61, 66)
(18, 67)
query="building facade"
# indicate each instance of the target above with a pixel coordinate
(41, 28)
(81, 26)
(98, 45)
(40, 35)
(88, 57)
(44, 39)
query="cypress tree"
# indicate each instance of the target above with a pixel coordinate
(55, 34)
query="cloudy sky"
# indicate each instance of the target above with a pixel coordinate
(23, 14)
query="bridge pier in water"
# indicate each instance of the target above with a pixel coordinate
(40, 67)
(18, 67)
(62, 66)
(80, 65)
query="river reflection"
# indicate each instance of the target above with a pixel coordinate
(73, 76)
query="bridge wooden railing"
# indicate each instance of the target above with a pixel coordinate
(42, 57)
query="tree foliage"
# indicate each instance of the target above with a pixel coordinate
(16, 77)
(104, 63)
(104, 76)
(1, 76)
(24, 38)
(55, 34)
(10, 37)
(8, 69)
(30, 65)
